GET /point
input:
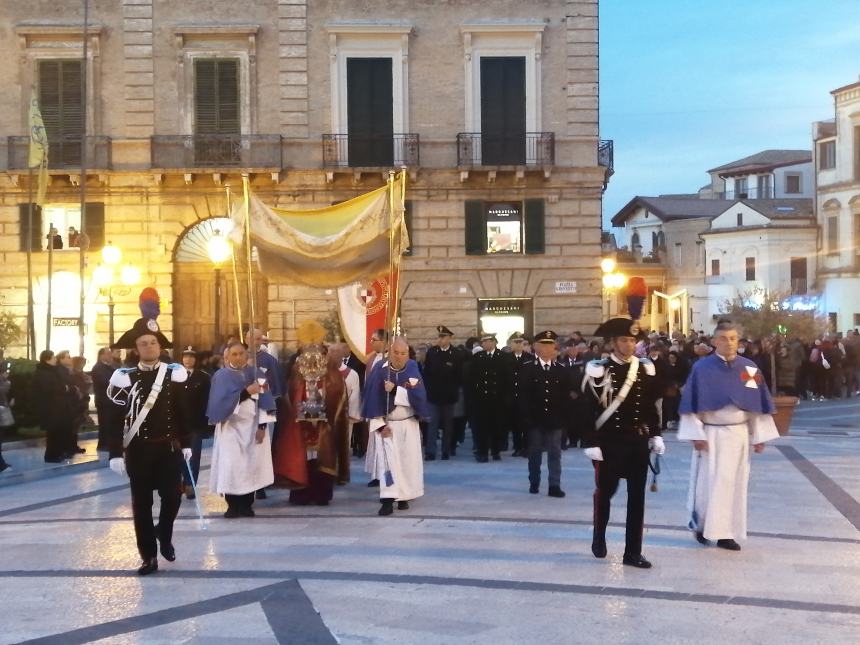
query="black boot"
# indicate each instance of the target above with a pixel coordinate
(402, 506)
(636, 561)
(387, 507)
(150, 565)
(372, 483)
(598, 545)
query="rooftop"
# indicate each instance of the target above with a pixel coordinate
(765, 160)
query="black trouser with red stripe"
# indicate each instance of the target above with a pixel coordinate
(626, 457)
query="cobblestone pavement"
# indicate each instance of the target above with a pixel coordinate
(477, 560)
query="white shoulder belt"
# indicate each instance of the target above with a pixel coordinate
(622, 394)
(131, 433)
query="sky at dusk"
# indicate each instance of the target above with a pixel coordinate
(688, 86)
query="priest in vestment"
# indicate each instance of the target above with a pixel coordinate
(242, 450)
(340, 352)
(394, 401)
(725, 406)
(306, 452)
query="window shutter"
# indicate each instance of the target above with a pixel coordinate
(61, 104)
(216, 96)
(407, 218)
(95, 222)
(49, 97)
(476, 232)
(533, 226)
(36, 233)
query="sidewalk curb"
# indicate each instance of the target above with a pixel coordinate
(54, 470)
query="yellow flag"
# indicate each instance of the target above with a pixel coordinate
(38, 157)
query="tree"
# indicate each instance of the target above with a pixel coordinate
(762, 314)
(10, 330)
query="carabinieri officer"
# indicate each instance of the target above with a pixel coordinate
(621, 392)
(153, 441)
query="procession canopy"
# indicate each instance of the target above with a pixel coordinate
(328, 247)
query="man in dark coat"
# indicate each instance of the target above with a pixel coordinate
(520, 359)
(54, 413)
(443, 370)
(543, 401)
(101, 373)
(621, 393)
(154, 440)
(490, 383)
(196, 388)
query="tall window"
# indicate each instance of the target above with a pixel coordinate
(792, 183)
(826, 155)
(216, 111)
(679, 256)
(798, 276)
(763, 187)
(715, 267)
(700, 253)
(61, 103)
(503, 110)
(750, 269)
(857, 152)
(370, 113)
(833, 234)
(740, 219)
(741, 188)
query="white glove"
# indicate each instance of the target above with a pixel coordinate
(595, 454)
(657, 445)
(117, 464)
(186, 454)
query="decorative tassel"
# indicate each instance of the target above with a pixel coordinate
(637, 291)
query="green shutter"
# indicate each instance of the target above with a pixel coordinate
(407, 218)
(61, 104)
(36, 233)
(95, 225)
(533, 226)
(476, 230)
(216, 96)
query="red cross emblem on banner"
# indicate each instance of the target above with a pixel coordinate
(751, 377)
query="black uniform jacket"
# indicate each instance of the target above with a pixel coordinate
(636, 416)
(197, 398)
(518, 363)
(168, 420)
(443, 373)
(544, 400)
(490, 378)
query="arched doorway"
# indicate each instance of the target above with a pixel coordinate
(194, 290)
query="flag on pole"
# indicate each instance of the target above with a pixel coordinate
(38, 157)
(362, 307)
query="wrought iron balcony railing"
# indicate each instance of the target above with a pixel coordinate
(525, 149)
(64, 153)
(217, 151)
(351, 150)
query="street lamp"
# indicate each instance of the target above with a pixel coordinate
(613, 281)
(219, 250)
(105, 277)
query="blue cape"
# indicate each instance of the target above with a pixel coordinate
(225, 390)
(273, 373)
(378, 402)
(713, 384)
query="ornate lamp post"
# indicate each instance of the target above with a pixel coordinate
(110, 283)
(613, 281)
(219, 249)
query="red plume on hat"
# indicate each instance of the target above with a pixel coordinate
(636, 294)
(150, 303)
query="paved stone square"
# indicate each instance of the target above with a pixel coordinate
(477, 560)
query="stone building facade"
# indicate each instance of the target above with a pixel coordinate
(493, 111)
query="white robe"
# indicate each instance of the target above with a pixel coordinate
(240, 465)
(719, 476)
(401, 453)
(353, 397)
(370, 453)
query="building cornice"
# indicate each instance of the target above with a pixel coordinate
(506, 26)
(360, 27)
(57, 29)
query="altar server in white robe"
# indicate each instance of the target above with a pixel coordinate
(242, 450)
(377, 356)
(394, 401)
(725, 407)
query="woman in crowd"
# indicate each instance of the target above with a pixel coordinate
(51, 391)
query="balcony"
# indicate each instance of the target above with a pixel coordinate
(799, 287)
(535, 149)
(368, 151)
(216, 151)
(64, 153)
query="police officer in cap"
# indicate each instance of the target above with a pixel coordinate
(489, 386)
(621, 391)
(521, 358)
(197, 398)
(443, 371)
(153, 440)
(544, 402)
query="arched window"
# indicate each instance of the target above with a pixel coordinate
(634, 241)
